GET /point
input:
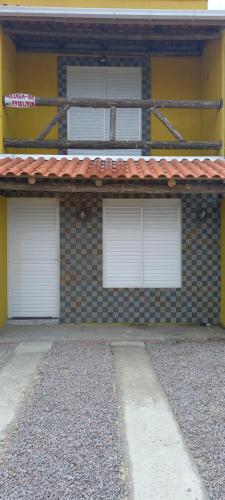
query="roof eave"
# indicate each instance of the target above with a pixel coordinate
(150, 15)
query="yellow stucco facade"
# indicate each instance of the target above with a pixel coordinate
(122, 4)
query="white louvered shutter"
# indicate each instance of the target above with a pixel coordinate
(122, 243)
(85, 123)
(110, 83)
(142, 243)
(33, 258)
(124, 83)
(162, 243)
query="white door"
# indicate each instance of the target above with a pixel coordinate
(93, 124)
(33, 258)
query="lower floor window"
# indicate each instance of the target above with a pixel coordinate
(142, 243)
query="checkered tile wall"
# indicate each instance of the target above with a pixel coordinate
(83, 298)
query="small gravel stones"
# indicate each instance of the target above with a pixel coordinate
(67, 444)
(193, 376)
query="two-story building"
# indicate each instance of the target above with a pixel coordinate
(112, 170)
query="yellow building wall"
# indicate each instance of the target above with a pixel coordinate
(126, 4)
(182, 79)
(212, 68)
(3, 260)
(36, 74)
(176, 78)
(7, 126)
(222, 246)
(7, 85)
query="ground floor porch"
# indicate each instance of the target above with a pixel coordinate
(80, 258)
(91, 250)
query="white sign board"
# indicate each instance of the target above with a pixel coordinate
(20, 100)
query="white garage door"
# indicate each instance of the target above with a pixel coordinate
(33, 258)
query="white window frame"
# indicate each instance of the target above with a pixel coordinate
(107, 202)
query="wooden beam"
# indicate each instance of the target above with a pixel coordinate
(114, 187)
(96, 35)
(95, 47)
(67, 144)
(129, 103)
(167, 124)
(53, 122)
(112, 125)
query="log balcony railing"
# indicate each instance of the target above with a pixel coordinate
(154, 106)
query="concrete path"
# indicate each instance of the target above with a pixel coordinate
(108, 333)
(15, 377)
(160, 463)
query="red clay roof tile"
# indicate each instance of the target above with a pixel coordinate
(114, 169)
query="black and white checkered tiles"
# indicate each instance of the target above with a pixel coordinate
(83, 298)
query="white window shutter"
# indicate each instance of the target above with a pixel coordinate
(122, 263)
(125, 83)
(93, 124)
(86, 123)
(142, 243)
(162, 243)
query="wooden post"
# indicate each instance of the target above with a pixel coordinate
(112, 133)
(167, 124)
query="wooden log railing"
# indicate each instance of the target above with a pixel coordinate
(64, 104)
(60, 144)
(128, 103)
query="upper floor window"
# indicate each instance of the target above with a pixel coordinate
(93, 124)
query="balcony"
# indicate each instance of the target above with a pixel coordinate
(180, 104)
(112, 143)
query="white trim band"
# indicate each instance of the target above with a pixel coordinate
(113, 14)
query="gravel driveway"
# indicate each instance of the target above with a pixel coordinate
(67, 444)
(193, 376)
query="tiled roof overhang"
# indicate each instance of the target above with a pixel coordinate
(115, 169)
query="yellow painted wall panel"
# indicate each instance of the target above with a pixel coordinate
(3, 260)
(176, 78)
(36, 74)
(212, 88)
(126, 4)
(8, 84)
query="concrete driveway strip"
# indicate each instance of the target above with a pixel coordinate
(15, 377)
(161, 466)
